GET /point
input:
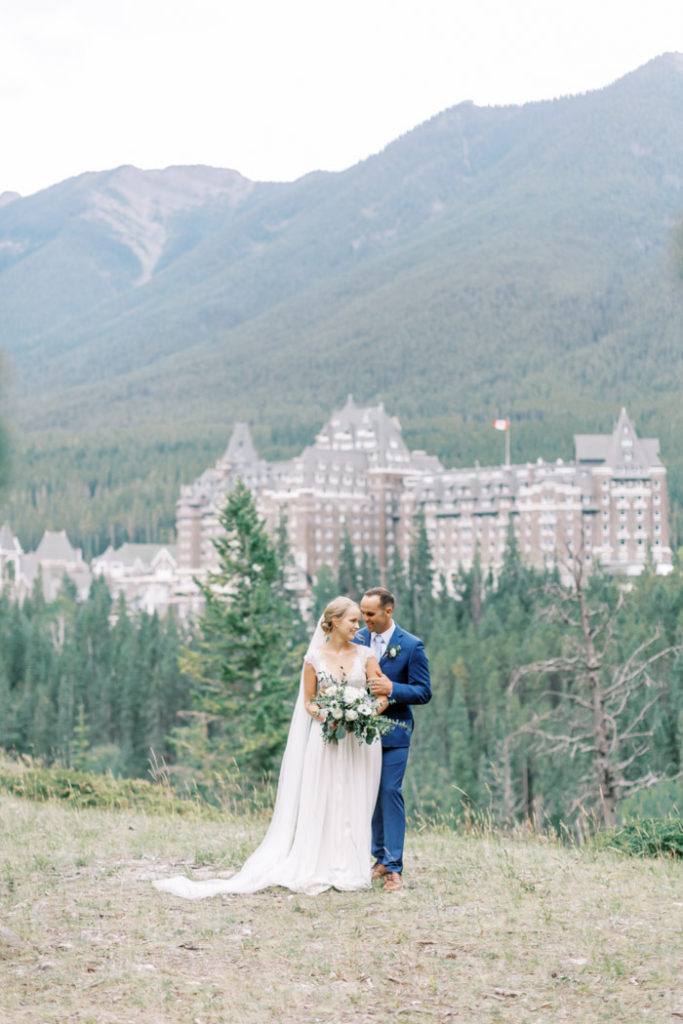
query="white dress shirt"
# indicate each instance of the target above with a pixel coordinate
(384, 637)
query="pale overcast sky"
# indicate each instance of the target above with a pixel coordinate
(276, 88)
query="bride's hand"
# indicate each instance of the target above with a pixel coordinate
(382, 699)
(382, 704)
(314, 711)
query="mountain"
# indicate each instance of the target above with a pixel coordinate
(518, 260)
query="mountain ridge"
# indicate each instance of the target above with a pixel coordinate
(519, 259)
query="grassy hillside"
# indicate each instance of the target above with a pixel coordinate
(487, 929)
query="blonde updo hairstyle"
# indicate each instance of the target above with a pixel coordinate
(336, 609)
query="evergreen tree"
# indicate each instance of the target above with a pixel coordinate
(604, 714)
(168, 693)
(369, 572)
(323, 590)
(470, 589)
(347, 575)
(398, 585)
(81, 742)
(7, 733)
(245, 660)
(421, 579)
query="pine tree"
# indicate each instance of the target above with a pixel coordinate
(603, 713)
(8, 735)
(81, 741)
(398, 585)
(347, 575)
(245, 660)
(369, 572)
(421, 578)
(168, 694)
(323, 590)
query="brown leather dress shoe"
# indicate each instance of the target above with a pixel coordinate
(394, 882)
(377, 871)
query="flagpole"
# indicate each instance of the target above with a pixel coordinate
(500, 424)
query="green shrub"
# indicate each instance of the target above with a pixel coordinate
(645, 837)
(86, 789)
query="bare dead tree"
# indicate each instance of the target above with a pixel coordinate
(603, 711)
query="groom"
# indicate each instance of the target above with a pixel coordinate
(405, 681)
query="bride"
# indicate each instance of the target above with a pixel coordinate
(319, 835)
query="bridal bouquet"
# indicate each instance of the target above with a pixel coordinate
(349, 709)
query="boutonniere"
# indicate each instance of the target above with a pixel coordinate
(393, 650)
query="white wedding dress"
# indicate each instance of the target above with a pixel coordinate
(320, 833)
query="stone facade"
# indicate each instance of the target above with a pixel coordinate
(148, 578)
(609, 504)
(53, 560)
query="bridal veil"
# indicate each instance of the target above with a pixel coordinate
(263, 868)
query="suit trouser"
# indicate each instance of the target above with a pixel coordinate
(389, 818)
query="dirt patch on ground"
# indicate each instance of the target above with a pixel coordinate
(486, 929)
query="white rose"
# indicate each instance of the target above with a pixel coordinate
(332, 690)
(337, 713)
(351, 715)
(352, 693)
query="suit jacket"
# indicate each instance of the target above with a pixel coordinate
(409, 672)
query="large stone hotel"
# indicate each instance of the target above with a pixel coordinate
(609, 504)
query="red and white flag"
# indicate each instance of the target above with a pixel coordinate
(501, 424)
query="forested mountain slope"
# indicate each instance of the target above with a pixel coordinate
(516, 260)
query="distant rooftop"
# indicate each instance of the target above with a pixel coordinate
(8, 542)
(136, 557)
(240, 446)
(622, 450)
(56, 547)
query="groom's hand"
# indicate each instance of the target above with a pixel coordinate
(381, 687)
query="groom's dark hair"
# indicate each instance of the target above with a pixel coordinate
(385, 596)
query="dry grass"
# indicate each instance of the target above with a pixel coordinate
(487, 929)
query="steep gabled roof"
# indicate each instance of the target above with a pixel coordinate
(145, 556)
(622, 450)
(55, 547)
(367, 429)
(8, 542)
(240, 446)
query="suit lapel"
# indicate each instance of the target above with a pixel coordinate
(394, 641)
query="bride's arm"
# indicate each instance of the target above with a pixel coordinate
(310, 688)
(373, 671)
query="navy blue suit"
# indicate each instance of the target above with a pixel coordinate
(409, 672)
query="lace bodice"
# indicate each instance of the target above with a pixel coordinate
(326, 670)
